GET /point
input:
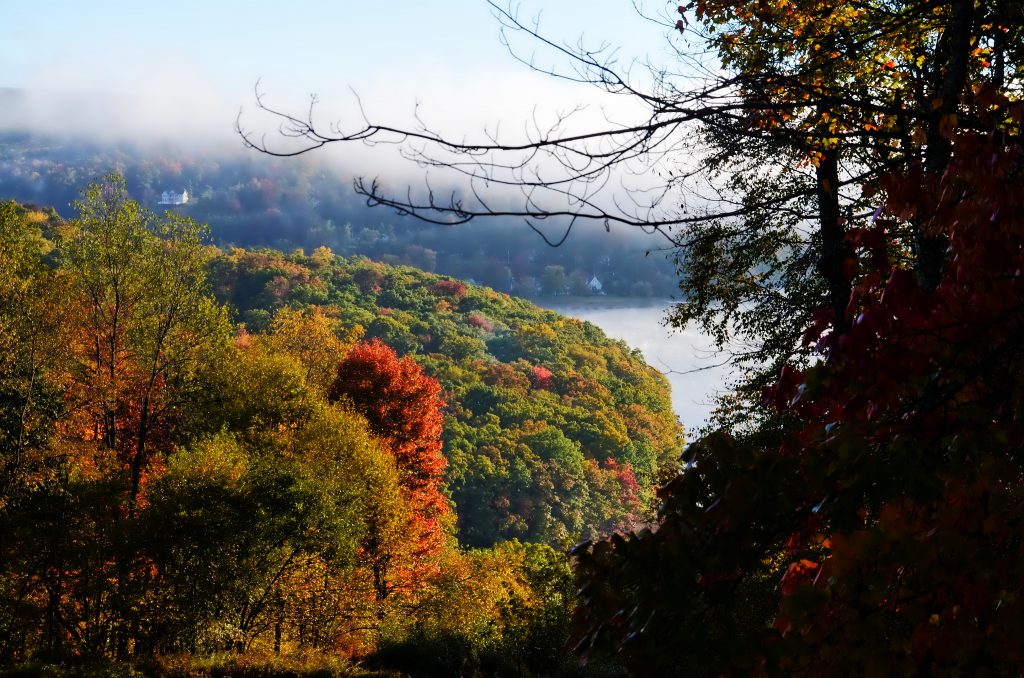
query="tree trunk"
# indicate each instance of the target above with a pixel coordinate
(950, 78)
(834, 251)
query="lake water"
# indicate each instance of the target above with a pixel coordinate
(684, 356)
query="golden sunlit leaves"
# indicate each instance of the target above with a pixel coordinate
(822, 53)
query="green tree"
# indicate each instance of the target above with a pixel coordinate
(33, 321)
(139, 334)
(33, 340)
(249, 535)
(148, 326)
(553, 280)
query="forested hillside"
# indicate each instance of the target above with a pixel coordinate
(552, 429)
(277, 455)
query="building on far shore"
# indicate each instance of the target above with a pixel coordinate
(172, 198)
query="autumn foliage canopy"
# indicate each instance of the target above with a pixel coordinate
(876, 530)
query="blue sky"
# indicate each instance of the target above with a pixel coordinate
(235, 42)
(202, 57)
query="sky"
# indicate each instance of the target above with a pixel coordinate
(187, 65)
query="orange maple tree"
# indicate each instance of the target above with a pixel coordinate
(404, 408)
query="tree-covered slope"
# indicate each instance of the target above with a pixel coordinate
(173, 486)
(553, 431)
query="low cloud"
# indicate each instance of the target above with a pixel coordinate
(171, 103)
(162, 102)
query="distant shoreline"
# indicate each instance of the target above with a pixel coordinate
(599, 302)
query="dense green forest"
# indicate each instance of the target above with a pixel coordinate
(253, 201)
(307, 459)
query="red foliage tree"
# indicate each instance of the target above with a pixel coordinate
(913, 435)
(541, 377)
(449, 288)
(404, 408)
(477, 320)
(369, 279)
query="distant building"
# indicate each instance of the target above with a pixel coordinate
(172, 198)
(595, 285)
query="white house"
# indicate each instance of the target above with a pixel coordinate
(595, 285)
(172, 198)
